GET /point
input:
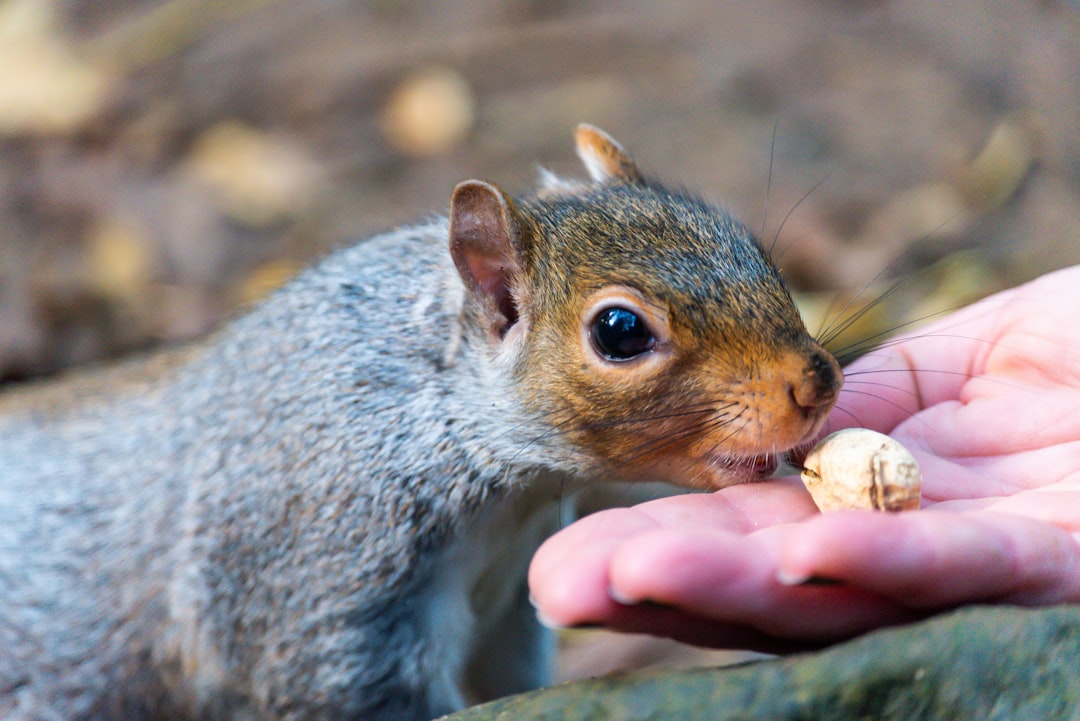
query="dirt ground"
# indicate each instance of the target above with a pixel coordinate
(162, 164)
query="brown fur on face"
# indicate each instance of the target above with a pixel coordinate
(730, 377)
(734, 376)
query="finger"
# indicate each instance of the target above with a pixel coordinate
(938, 559)
(739, 509)
(903, 376)
(1058, 505)
(732, 579)
(569, 583)
(568, 575)
(1016, 335)
(1000, 427)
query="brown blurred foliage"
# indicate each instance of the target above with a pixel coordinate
(163, 162)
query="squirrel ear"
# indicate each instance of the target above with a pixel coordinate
(604, 158)
(485, 243)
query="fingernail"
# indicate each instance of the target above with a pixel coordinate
(615, 595)
(791, 578)
(548, 623)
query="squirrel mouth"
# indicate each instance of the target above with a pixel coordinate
(797, 455)
(765, 465)
(751, 467)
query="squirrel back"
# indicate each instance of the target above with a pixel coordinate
(326, 510)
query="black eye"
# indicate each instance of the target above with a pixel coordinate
(620, 334)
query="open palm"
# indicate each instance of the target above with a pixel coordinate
(988, 400)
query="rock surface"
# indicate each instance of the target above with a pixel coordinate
(978, 663)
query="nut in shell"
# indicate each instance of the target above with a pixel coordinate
(859, 468)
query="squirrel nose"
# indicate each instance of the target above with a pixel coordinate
(819, 384)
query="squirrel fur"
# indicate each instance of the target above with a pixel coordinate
(326, 510)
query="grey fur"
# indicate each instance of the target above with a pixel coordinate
(327, 510)
(257, 530)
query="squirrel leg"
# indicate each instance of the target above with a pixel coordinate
(513, 655)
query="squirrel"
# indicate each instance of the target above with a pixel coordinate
(326, 510)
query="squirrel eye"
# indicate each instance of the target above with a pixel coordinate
(620, 334)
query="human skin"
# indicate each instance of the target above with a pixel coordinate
(988, 401)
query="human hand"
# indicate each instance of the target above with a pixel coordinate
(988, 400)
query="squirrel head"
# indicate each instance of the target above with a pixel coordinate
(647, 327)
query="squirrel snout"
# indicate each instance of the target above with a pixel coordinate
(818, 385)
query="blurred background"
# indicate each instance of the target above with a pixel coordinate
(163, 163)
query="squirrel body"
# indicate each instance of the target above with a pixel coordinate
(327, 509)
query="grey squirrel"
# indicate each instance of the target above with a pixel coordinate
(326, 510)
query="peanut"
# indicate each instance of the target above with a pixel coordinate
(859, 468)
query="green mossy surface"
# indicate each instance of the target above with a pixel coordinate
(977, 663)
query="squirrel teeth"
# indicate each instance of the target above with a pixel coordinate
(762, 465)
(765, 465)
